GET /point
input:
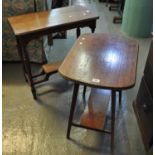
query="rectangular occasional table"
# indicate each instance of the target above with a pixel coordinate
(107, 63)
(33, 25)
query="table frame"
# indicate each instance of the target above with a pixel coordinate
(24, 39)
(127, 55)
(113, 105)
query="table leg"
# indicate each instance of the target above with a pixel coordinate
(84, 91)
(28, 67)
(78, 32)
(74, 98)
(93, 29)
(44, 59)
(92, 26)
(30, 76)
(21, 57)
(120, 97)
(24, 56)
(113, 100)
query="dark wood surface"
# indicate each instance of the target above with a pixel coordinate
(94, 115)
(40, 21)
(102, 60)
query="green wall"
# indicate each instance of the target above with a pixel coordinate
(138, 18)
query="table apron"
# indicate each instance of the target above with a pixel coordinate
(25, 38)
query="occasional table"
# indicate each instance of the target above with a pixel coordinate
(107, 63)
(33, 25)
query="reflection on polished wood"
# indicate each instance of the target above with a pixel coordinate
(102, 60)
(33, 22)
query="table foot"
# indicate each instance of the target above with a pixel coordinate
(34, 93)
(26, 80)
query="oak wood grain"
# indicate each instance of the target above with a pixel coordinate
(102, 60)
(40, 21)
(94, 115)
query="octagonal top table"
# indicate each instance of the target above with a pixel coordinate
(102, 60)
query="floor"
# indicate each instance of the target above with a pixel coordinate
(39, 127)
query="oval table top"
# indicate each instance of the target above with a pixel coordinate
(103, 61)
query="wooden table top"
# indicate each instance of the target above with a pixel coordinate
(32, 22)
(103, 61)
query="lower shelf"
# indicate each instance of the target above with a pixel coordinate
(94, 115)
(52, 67)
